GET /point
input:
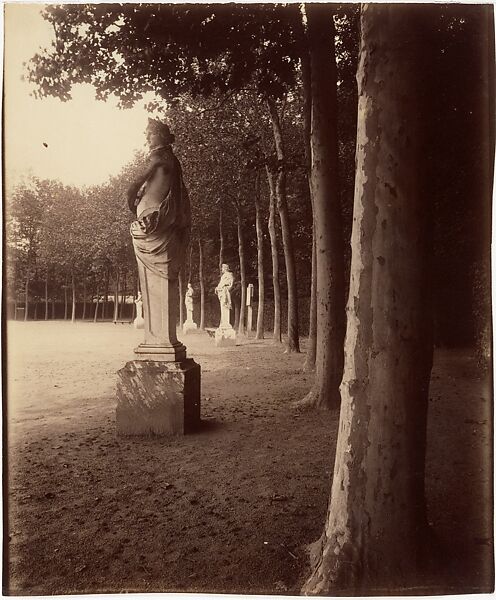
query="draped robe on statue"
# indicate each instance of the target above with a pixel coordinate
(160, 237)
(161, 232)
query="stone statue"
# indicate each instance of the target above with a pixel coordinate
(225, 334)
(223, 291)
(139, 321)
(189, 324)
(160, 235)
(158, 393)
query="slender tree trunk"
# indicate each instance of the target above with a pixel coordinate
(116, 296)
(123, 297)
(53, 308)
(190, 262)
(106, 296)
(221, 238)
(15, 310)
(181, 297)
(309, 364)
(242, 271)
(84, 300)
(95, 315)
(376, 517)
(236, 313)
(327, 211)
(73, 284)
(202, 284)
(66, 301)
(293, 342)
(35, 316)
(26, 298)
(276, 336)
(260, 261)
(46, 296)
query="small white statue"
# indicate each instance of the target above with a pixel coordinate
(188, 301)
(225, 334)
(139, 322)
(223, 291)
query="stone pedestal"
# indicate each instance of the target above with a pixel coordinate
(158, 398)
(225, 336)
(189, 325)
(160, 312)
(249, 320)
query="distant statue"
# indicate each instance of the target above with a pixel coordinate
(139, 321)
(189, 324)
(223, 291)
(188, 301)
(159, 199)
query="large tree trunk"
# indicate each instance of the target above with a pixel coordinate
(309, 364)
(116, 295)
(293, 341)
(242, 271)
(202, 284)
(221, 238)
(73, 285)
(260, 261)
(276, 336)
(46, 296)
(328, 234)
(376, 515)
(26, 298)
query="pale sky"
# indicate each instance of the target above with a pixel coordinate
(88, 140)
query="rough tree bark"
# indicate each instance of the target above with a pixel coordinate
(276, 335)
(330, 318)
(293, 341)
(202, 284)
(376, 516)
(242, 270)
(260, 261)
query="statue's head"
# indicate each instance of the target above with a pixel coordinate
(224, 268)
(190, 287)
(158, 133)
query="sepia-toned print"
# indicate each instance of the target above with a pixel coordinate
(247, 298)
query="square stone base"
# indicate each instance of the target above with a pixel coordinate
(225, 336)
(158, 398)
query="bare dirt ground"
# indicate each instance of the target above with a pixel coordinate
(227, 509)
